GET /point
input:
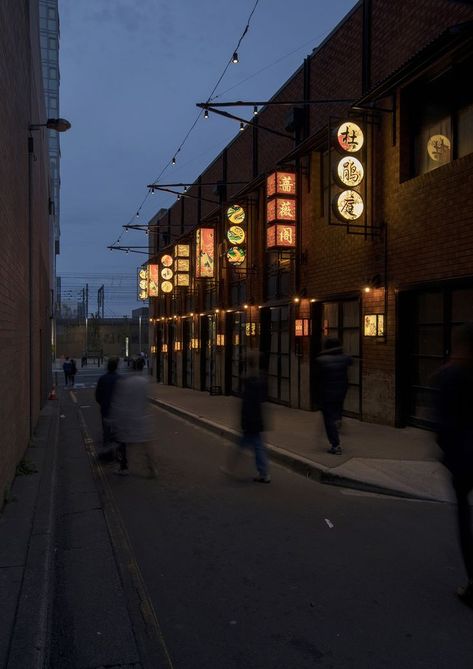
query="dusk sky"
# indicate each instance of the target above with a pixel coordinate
(131, 73)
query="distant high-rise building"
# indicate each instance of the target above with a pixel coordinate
(49, 37)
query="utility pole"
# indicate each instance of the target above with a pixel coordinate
(86, 300)
(101, 302)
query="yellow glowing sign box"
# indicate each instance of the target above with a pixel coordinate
(373, 325)
(350, 137)
(348, 205)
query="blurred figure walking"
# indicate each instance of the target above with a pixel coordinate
(332, 385)
(132, 422)
(73, 372)
(252, 422)
(103, 396)
(454, 419)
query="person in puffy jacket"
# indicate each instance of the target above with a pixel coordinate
(332, 385)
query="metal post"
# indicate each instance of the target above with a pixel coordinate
(139, 333)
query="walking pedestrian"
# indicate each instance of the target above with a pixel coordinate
(252, 422)
(66, 366)
(131, 417)
(454, 420)
(332, 385)
(73, 372)
(104, 395)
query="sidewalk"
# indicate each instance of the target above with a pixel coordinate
(375, 457)
(26, 551)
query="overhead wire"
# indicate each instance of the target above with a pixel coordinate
(172, 160)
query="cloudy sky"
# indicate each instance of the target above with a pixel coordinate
(131, 73)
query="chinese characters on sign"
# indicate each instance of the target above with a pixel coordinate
(350, 137)
(349, 173)
(204, 250)
(281, 210)
(438, 148)
(350, 205)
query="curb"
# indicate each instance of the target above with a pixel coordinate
(29, 643)
(297, 463)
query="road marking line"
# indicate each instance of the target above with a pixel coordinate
(73, 397)
(329, 523)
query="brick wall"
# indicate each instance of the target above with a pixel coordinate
(21, 105)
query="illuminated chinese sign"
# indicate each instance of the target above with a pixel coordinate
(281, 210)
(153, 280)
(182, 264)
(236, 236)
(250, 329)
(220, 340)
(349, 205)
(143, 283)
(281, 235)
(438, 148)
(349, 173)
(204, 250)
(374, 325)
(166, 274)
(281, 183)
(350, 137)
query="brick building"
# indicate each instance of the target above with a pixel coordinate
(374, 245)
(25, 305)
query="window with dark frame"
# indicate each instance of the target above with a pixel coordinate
(440, 119)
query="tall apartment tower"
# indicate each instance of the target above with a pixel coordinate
(49, 36)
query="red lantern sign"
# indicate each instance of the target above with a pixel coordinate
(281, 189)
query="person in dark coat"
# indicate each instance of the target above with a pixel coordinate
(67, 368)
(454, 426)
(104, 395)
(332, 385)
(73, 372)
(252, 422)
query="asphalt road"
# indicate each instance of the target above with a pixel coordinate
(291, 575)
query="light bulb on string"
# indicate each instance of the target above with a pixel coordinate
(185, 189)
(173, 160)
(242, 126)
(206, 113)
(255, 111)
(178, 196)
(235, 58)
(137, 214)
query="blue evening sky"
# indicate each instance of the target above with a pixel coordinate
(131, 73)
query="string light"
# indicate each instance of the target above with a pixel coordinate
(185, 189)
(235, 57)
(206, 113)
(137, 214)
(242, 126)
(255, 111)
(173, 160)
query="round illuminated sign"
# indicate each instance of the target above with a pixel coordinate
(349, 205)
(350, 171)
(166, 287)
(236, 214)
(143, 274)
(236, 235)
(166, 273)
(143, 284)
(438, 148)
(143, 295)
(236, 255)
(350, 137)
(166, 261)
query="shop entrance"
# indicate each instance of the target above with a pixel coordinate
(341, 319)
(275, 342)
(187, 357)
(238, 364)
(427, 323)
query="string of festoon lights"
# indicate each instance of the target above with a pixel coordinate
(172, 161)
